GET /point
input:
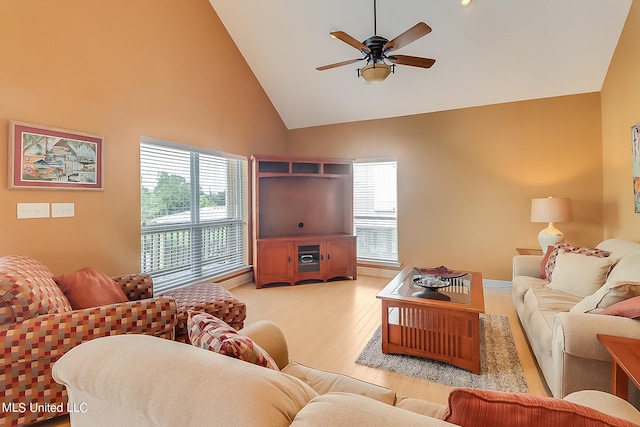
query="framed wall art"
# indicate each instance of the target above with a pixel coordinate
(49, 158)
(635, 153)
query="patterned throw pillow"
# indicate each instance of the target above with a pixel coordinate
(209, 332)
(552, 255)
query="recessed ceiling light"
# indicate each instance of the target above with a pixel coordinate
(466, 2)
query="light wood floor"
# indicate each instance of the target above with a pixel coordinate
(328, 324)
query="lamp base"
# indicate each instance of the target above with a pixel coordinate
(549, 237)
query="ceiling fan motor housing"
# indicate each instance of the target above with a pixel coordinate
(375, 45)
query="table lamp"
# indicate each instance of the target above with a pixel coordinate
(550, 209)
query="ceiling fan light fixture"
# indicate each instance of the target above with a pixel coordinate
(376, 72)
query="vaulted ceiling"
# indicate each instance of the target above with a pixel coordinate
(491, 52)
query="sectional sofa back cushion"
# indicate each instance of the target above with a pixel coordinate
(622, 283)
(486, 408)
(618, 247)
(27, 290)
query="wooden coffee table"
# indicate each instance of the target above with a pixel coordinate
(443, 326)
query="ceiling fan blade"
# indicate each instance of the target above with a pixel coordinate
(413, 61)
(412, 34)
(350, 40)
(339, 64)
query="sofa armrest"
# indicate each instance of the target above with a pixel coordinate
(270, 337)
(52, 335)
(527, 265)
(136, 286)
(575, 333)
(606, 403)
(29, 349)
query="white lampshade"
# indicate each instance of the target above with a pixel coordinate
(550, 210)
(375, 72)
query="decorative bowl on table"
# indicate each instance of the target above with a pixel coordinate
(441, 272)
(430, 282)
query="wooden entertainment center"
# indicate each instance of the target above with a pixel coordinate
(302, 219)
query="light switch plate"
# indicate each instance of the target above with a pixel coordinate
(62, 210)
(33, 210)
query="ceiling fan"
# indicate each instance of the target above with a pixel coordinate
(376, 50)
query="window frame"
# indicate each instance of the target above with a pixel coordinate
(377, 216)
(198, 234)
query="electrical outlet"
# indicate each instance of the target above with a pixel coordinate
(62, 210)
(33, 210)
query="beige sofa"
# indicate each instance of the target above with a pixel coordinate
(561, 326)
(136, 380)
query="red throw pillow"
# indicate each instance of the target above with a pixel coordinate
(486, 408)
(627, 308)
(90, 287)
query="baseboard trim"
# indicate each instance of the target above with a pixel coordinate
(246, 277)
(377, 272)
(237, 280)
(497, 284)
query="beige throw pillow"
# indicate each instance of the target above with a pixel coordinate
(579, 274)
(623, 283)
(609, 294)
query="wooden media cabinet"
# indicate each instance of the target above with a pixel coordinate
(302, 219)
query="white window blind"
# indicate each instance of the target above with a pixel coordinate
(375, 210)
(193, 213)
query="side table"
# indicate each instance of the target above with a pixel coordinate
(625, 355)
(527, 251)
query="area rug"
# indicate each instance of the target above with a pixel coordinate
(499, 362)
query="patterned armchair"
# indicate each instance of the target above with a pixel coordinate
(38, 325)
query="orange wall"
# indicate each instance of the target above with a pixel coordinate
(168, 69)
(160, 68)
(621, 110)
(466, 177)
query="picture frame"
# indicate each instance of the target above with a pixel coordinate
(635, 155)
(55, 159)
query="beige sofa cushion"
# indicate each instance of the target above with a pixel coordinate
(541, 305)
(623, 283)
(521, 284)
(153, 381)
(350, 410)
(579, 274)
(423, 407)
(326, 382)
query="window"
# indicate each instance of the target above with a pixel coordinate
(193, 213)
(375, 210)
